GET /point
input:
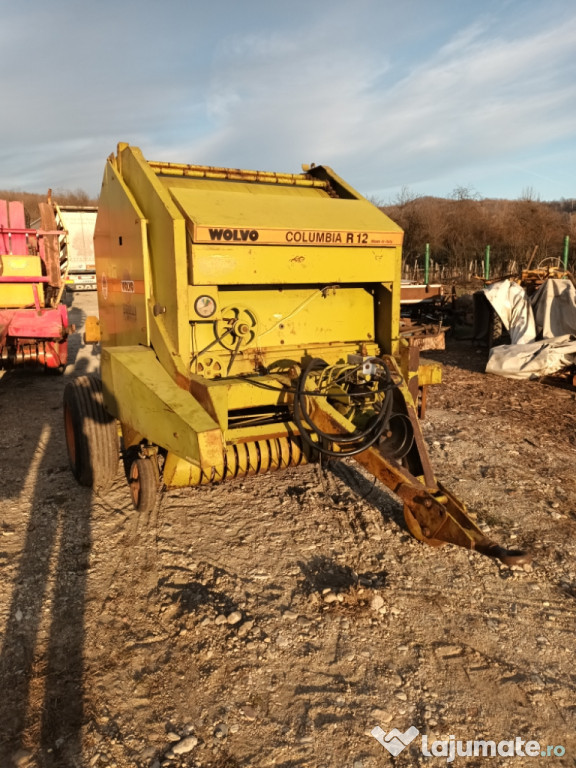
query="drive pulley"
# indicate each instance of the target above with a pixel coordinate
(236, 328)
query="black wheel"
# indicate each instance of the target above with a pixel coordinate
(91, 434)
(144, 481)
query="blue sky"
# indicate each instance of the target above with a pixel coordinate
(420, 95)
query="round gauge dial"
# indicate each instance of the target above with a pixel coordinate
(205, 306)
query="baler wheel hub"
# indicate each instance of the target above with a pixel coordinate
(143, 479)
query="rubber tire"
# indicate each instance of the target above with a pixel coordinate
(91, 434)
(143, 480)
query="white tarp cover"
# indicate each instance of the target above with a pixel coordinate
(552, 314)
(510, 301)
(554, 305)
(530, 361)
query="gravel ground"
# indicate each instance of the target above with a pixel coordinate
(276, 621)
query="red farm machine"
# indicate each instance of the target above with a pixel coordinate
(33, 323)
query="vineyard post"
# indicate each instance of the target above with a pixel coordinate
(487, 263)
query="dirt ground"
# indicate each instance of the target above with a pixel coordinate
(276, 621)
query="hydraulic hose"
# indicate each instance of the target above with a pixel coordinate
(363, 439)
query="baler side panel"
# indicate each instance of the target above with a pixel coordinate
(121, 254)
(170, 333)
(284, 265)
(286, 235)
(288, 322)
(286, 238)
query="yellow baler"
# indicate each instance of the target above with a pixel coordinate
(249, 321)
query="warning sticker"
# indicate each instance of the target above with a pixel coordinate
(268, 236)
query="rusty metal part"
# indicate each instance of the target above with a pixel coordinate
(532, 279)
(434, 515)
(437, 517)
(423, 336)
(235, 174)
(31, 353)
(51, 245)
(255, 457)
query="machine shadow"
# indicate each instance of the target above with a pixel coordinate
(41, 658)
(21, 435)
(467, 355)
(368, 488)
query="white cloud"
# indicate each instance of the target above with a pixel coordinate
(477, 99)
(389, 95)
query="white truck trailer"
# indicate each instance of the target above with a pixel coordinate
(77, 244)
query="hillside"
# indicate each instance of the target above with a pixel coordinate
(458, 229)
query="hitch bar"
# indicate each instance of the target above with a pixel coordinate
(432, 513)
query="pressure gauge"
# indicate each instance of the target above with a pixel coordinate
(205, 306)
